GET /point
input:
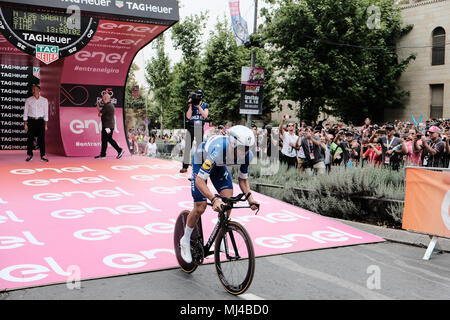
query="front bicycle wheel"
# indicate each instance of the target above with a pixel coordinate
(177, 235)
(234, 258)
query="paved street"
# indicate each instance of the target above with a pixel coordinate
(380, 271)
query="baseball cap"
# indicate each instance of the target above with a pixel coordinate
(390, 127)
(434, 129)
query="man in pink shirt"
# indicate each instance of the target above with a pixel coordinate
(413, 144)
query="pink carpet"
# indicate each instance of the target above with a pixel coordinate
(81, 218)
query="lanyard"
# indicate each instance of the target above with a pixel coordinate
(389, 143)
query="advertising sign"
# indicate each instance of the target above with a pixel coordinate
(156, 9)
(427, 202)
(106, 59)
(252, 81)
(15, 88)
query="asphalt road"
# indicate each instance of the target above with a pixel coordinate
(380, 271)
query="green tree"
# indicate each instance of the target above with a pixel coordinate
(331, 59)
(130, 101)
(222, 67)
(159, 78)
(221, 73)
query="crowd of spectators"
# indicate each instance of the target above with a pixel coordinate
(146, 143)
(319, 147)
(392, 145)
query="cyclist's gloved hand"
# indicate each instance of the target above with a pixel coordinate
(217, 204)
(254, 205)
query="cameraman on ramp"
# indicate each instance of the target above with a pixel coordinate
(196, 115)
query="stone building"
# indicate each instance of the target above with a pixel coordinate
(427, 78)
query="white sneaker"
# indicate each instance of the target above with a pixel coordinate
(185, 251)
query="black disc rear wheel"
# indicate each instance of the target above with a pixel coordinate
(177, 235)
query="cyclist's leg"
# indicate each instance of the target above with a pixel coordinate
(198, 197)
(192, 218)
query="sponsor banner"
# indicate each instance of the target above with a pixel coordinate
(238, 23)
(100, 218)
(252, 81)
(156, 9)
(427, 202)
(15, 88)
(81, 132)
(110, 53)
(77, 95)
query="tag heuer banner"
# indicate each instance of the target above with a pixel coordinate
(238, 23)
(252, 81)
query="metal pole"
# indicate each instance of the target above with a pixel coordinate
(252, 64)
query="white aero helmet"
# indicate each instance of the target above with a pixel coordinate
(241, 136)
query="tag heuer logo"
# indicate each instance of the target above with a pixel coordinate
(47, 54)
(119, 4)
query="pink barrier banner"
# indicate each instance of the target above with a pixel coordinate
(74, 219)
(82, 132)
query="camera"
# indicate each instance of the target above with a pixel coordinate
(195, 97)
(381, 131)
(418, 136)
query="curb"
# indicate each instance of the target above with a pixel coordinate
(401, 236)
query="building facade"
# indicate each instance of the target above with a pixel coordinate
(427, 78)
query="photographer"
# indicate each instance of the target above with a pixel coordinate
(393, 148)
(433, 148)
(196, 114)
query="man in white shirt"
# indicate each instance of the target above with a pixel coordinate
(289, 151)
(35, 117)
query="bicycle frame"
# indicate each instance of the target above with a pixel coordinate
(223, 221)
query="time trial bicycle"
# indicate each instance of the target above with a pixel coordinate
(234, 255)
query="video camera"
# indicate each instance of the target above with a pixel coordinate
(195, 97)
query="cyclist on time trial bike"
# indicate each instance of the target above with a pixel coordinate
(219, 152)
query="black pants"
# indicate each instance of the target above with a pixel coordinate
(290, 161)
(36, 128)
(189, 139)
(107, 137)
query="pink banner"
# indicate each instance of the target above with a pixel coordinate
(102, 66)
(74, 219)
(108, 56)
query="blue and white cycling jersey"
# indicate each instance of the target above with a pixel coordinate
(213, 153)
(210, 160)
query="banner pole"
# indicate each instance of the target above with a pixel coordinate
(252, 63)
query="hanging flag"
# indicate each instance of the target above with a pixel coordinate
(238, 23)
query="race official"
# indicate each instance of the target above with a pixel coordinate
(35, 117)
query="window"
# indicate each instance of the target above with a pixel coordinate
(437, 101)
(438, 50)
